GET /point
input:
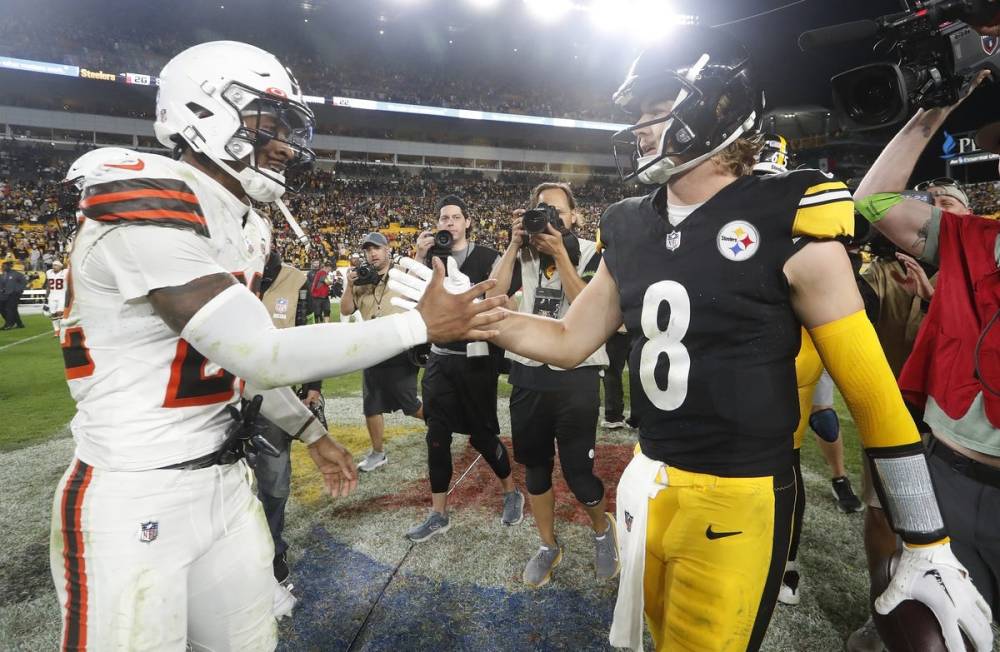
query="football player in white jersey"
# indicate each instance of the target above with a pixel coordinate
(157, 539)
(55, 300)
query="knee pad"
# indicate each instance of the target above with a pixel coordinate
(438, 437)
(538, 479)
(587, 488)
(825, 424)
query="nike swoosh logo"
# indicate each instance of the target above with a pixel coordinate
(712, 534)
(138, 165)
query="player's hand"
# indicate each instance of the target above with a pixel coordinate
(549, 242)
(424, 243)
(517, 232)
(933, 576)
(312, 397)
(352, 276)
(336, 464)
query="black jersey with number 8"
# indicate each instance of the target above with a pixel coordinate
(707, 305)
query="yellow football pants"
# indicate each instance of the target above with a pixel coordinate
(715, 553)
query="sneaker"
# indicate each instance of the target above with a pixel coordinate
(513, 508)
(284, 601)
(372, 461)
(538, 570)
(865, 639)
(606, 560)
(847, 502)
(280, 566)
(614, 424)
(791, 581)
(436, 523)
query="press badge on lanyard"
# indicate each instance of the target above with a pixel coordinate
(547, 302)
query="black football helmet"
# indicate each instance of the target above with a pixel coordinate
(717, 98)
(773, 156)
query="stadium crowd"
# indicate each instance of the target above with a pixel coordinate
(455, 83)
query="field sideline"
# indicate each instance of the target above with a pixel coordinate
(349, 560)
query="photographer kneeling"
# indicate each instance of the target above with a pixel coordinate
(389, 385)
(549, 405)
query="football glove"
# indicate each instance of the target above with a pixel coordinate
(934, 577)
(411, 284)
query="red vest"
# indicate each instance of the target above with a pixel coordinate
(943, 361)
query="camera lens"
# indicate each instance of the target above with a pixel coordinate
(534, 220)
(871, 96)
(443, 239)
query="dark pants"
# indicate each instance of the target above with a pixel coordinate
(274, 475)
(970, 509)
(614, 401)
(11, 315)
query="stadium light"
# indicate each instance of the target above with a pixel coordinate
(548, 11)
(610, 15)
(483, 5)
(658, 18)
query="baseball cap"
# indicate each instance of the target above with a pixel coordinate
(375, 238)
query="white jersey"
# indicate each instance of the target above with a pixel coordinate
(55, 283)
(145, 399)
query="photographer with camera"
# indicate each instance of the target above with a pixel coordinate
(390, 385)
(550, 405)
(459, 386)
(952, 372)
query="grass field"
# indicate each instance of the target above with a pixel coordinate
(361, 585)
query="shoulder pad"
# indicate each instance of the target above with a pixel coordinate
(141, 189)
(826, 209)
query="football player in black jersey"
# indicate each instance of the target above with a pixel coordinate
(715, 272)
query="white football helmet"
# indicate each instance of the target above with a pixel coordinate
(205, 93)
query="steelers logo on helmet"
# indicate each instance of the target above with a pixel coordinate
(702, 93)
(773, 156)
(738, 240)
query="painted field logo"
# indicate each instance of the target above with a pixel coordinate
(738, 240)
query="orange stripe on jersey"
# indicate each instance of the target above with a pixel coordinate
(153, 214)
(74, 562)
(138, 194)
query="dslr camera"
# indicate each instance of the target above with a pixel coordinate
(535, 219)
(441, 247)
(366, 274)
(937, 57)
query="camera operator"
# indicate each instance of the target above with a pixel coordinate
(952, 371)
(286, 297)
(390, 385)
(459, 386)
(549, 405)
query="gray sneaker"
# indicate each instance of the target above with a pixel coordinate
(538, 570)
(606, 551)
(436, 523)
(513, 508)
(372, 461)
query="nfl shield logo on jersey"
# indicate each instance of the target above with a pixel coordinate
(281, 306)
(148, 531)
(673, 240)
(738, 240)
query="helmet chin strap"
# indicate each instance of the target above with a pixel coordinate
(662, 171)
(299, 233)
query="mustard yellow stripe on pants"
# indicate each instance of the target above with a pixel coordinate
(715, 553)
